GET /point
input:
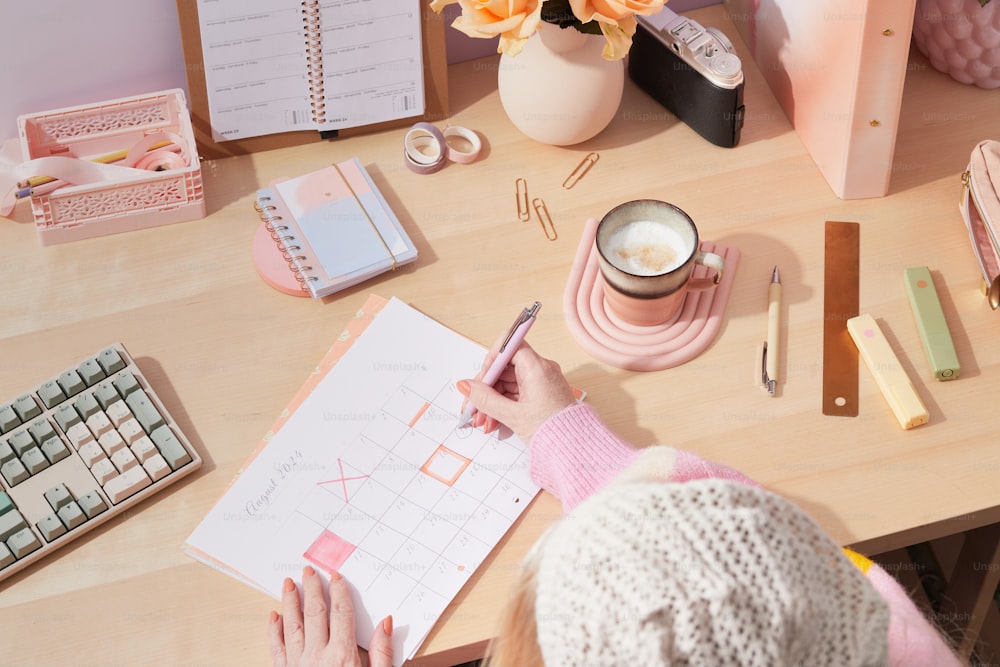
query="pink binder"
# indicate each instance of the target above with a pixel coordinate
(837, 69)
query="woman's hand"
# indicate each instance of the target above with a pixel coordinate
(530, 390)
(308, 633)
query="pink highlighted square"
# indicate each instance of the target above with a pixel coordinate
(445, 465)
(329, 551)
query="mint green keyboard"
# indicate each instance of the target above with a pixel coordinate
(78, 450)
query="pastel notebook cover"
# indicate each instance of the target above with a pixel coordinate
(416, 615)
(837, 70)
(341, 231)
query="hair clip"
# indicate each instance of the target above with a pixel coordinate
(544, 219)
(521, 194)
(578, 172)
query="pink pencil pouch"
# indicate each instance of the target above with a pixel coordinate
(980, 207)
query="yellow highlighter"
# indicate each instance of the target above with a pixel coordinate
(889, 374)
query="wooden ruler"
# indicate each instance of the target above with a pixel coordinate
(841, 288)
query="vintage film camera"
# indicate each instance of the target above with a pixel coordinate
(692, 71)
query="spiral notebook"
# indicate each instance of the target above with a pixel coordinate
(272, 66)
(327, 230)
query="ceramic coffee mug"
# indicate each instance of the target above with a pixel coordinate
(647, 250)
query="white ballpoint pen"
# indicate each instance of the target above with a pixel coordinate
(769, 370)
(511, 342)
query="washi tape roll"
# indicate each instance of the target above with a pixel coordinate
(462, 136)
(424, 148)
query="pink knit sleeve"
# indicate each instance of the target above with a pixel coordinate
(913, 642)
(573, 454)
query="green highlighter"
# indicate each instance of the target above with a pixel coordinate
(931, 323)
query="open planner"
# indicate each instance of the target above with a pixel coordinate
(368, 473)
(278, 65)
(327, 230)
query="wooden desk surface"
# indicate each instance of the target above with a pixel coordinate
(226, 351)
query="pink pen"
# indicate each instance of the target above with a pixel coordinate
(511, 342)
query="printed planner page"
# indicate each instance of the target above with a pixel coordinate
(372, 476)
(258, 75)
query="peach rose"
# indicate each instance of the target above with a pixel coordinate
(617, 20)
(610, 11)
(513, 20)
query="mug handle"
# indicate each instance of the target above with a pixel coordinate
(712, 261)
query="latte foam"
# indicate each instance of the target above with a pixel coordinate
(646, 248)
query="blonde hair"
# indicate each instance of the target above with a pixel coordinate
(516, 641)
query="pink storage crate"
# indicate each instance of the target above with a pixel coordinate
(77, 212)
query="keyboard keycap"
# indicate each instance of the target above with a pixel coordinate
(143, 448)
(156, 467)
(91, 453)
(54, 450)
(110, 360)
(169, 447)
(91, 372)
(145, 412)
(23, 543)
(21, 442)
(10, 523)
(92, 504)
(41, 431)
(71, 515)
(14, 472)
(51, 394)
(6, 452)
(106, 394)
(79, 435)
(126, 383)
(124, 459)
(6, 504)
(71, 383)
(58, 496)
(99, 424)
(50, 527)
(86, 405)
(66, 416)
(131, 432)
(104, 471)
(6, 557)
(26, 408)
(111, 442)
(118, 413)
(127, 484)
(8, 418)
(34, 461)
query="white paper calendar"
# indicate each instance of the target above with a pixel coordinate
(369, 474)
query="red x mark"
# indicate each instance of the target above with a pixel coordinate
(342, 479)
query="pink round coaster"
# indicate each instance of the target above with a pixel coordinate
(643, 348)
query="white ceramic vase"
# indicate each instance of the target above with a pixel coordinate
(960, 38)
(559, 90)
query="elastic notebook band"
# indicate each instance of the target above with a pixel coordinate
(371, 222)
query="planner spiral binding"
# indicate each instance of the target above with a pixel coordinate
(327, 230)
(312, 23)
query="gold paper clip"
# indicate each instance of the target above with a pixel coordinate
(521, 190)
(581, 169)
(543, 217)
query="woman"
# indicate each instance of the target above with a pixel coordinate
(663, 558)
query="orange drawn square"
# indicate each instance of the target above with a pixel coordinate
(445, 465)
(329, 551)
